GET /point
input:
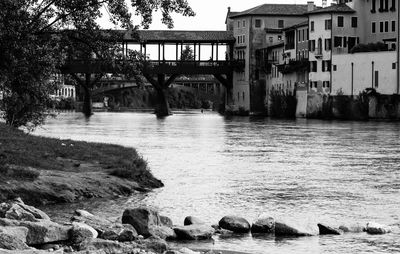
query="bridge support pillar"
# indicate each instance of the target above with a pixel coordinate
(161, 85)
(227, 82)
(87, 84)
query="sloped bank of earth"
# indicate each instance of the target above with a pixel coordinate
(47, 171)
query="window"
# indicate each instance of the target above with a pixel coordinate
(340, 21)
(373, 7)
(376, 79)
(279, 37)
(394, 66)
(281, 23)
(312, 26)
(328, 44)
(304, 37)
(244, 23)
(328, 24)
(393, 26)
(312, 45)
(354, 22)
(386, 26)
(334, 67)
(373, 27)
(325, 84)
(381, 27)
(258, 23)
(313, 66)
(238, 24)
(337, 41)
(326, 65)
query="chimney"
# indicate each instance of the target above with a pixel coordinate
(229, 9)
(310, 6)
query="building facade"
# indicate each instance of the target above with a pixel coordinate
(256, 29)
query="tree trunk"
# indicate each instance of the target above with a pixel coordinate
(87, 102)
(162, 107)
(87, 98)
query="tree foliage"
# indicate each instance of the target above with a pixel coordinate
(38, 36)
(187, 54)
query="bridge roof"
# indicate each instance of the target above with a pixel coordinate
(175, 36)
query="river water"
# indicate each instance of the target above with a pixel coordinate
(321, 171)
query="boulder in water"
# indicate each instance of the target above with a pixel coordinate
(264, 224)
(328, 230)
(190, 220)
(235, 224)
(293, 228)
(194, 232)
(142, 219)
(377, 229)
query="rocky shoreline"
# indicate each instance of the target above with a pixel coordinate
(26, 229)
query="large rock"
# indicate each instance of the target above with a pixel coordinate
(17, 232)
(264, 224)
(377, 229)
(17, 210)
(194, 232)
(81, 232)
(99, 224)
(155, 244)
(120, 232)
(40, 232)
(142, 219)
(235, 224)
(328, 230)
(10, 242)
(294, 228)
(190, 220)
(163, 232)
(107, 229)
(166, 221)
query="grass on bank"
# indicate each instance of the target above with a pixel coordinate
(29, 152)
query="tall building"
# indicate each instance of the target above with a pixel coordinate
(255, 29)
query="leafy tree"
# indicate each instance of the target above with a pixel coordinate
(187, 54)
(37, 37)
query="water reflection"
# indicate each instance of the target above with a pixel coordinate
(331, 171)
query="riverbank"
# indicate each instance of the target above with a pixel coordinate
(48, 170)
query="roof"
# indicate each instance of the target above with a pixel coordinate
(175, 36)
(337, 8)
(274, 10)
(304, 23)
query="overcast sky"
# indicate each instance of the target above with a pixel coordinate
(210, 14)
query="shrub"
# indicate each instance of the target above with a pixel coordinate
(283, 104)
(132, 170)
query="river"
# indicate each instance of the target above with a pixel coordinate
(323, 171)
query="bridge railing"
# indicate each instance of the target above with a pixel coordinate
(97, 65)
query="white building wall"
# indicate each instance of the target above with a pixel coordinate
(364, 76)
(319, 33)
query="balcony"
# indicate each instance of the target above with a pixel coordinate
(318, 53)
(294, 66)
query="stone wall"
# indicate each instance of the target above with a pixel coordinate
(362, 107)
